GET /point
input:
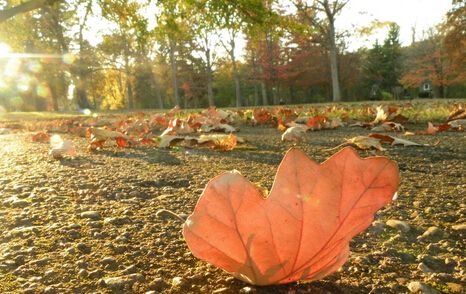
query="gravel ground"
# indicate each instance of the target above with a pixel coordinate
(96, 224)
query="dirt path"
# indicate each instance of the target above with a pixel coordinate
(89, 224)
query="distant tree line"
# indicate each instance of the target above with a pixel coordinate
(158, 54)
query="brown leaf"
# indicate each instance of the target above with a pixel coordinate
(262, 116)
(41, 137)
(365, 143)
(396, 141)
(459, 124)
(459, 113)
(388, 127)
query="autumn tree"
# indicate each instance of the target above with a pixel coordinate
(326, 26)
(23, 7)
(454, 34)
(428, 60)
(205, 36)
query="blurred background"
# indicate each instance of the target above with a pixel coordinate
(115, 54)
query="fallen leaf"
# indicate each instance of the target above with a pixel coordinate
(220, 142)
(459, 124)
(168, 140)
(146, 141)
(302, 230)
(431, 130)
(261, 116)
(334, 123)
(96, 144)
(218, 127)
(380, 116)
(281, 126)
(388, 127)
(216, 141)
(399, 118)
(285, 115)
(365, 143)
(297, 125)
(459, 113)
(41, 137)
(103, 134)
(122, 142)
(317, 122)
(446, 126)
(61, 148)
(396, 141)
(177, 127)
(294, 134)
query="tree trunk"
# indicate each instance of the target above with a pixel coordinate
(292, 95)
(129, 90)
(334, 63)
(235, 74)
(264, 94)
(237, 88)
(256, 94)
(174, 71)
(129, 93)
(53, 93)
(274, 95)
(82, 71)
(273, 75)
(81, 95)
(210, 92)
(158, 95)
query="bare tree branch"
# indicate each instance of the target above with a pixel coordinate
(24, 7)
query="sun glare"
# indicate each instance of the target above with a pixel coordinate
(4, 50)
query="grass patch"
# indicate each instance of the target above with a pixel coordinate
(417, 110)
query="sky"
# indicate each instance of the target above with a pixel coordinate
(421, 14)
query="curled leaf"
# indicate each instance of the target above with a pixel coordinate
(365, 143)
(459, 124)
(294, 134)
(395, 141)
(61, 148)
(301, 231)
(388, 127)
(103, 134)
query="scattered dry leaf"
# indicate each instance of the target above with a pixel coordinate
(61, 148)
(294, 134)
(388, 127)
(365, 143)
(178, 127)
(262, 116)
(459, 124)
(395, 141)
(459, 113)
(381, 115)
(41, 137)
